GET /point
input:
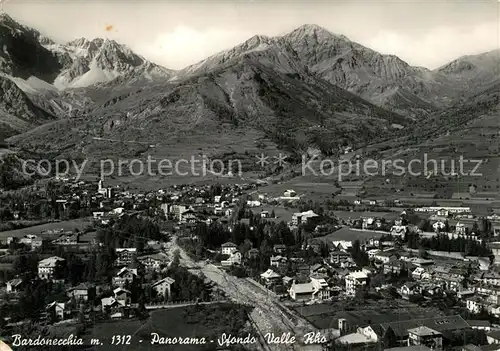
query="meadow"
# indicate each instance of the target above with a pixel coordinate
(79, 224)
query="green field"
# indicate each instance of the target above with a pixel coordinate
(307, 187)
(282, 214)
(356, 215)
(234, 147)
(37, 230)
(348, 234)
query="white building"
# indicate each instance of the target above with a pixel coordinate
(299, 292)
(342, 245)
(398, 230)
(178, 210)
(354, 281)
(438, 226)
(163, 286)
(58, 308)
(368, 222)
(302, 217)
(228, 248)
(14, 285)
(491, 278)
(495, 248)
(460, 228)
(81, 292)
(384, 256)
(154, 262)
(124, 275)
(474, 304)
(321, 288)
(423, 335)
(253, 203)
(443, 212)
(234, 259)
(32, 241)
(270, 276)
(452, 210)
(363, 336)
(101, 190)
(371, 253)
(49, 266)
(125, 255)
(421, 274)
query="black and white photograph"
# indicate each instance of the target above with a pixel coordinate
(250, 175)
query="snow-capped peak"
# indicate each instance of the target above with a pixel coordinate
(80, 62)
(102, 60)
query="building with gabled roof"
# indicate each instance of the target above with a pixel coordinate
(303, 217)
(123, 275)
(355, 281)
(59, 309)
(228, 248)
(125, 255)
(443, 325)
(270, 276)
(48, 267)
(425, 336)
(163, 286)
(154, 262)
(304, 291)
(14, 285)
(111, 303)
(81, 292)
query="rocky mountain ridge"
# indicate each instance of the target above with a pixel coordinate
(17, 112)
(80, 63)
(309, 87)
(384, 80)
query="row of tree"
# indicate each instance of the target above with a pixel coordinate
(442, 242)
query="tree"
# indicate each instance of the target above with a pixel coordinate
(359, 256)
(390, 339)
(139, 243)
(90, 268)
(75, 270)
(422, 253)
(6, 214)
(26, 263)
(104, 264)
(475, 228)
(176, 260)
(446, 226)
(245, 247)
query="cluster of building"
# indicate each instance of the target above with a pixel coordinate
(116, 304)
(471, 282)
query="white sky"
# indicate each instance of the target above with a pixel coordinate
(175, 34)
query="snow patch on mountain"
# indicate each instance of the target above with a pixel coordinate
(78, 63)
(32, 85)
(93, 76)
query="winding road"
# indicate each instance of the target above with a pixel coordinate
(267, 316)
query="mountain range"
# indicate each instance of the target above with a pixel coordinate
(308, 88)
